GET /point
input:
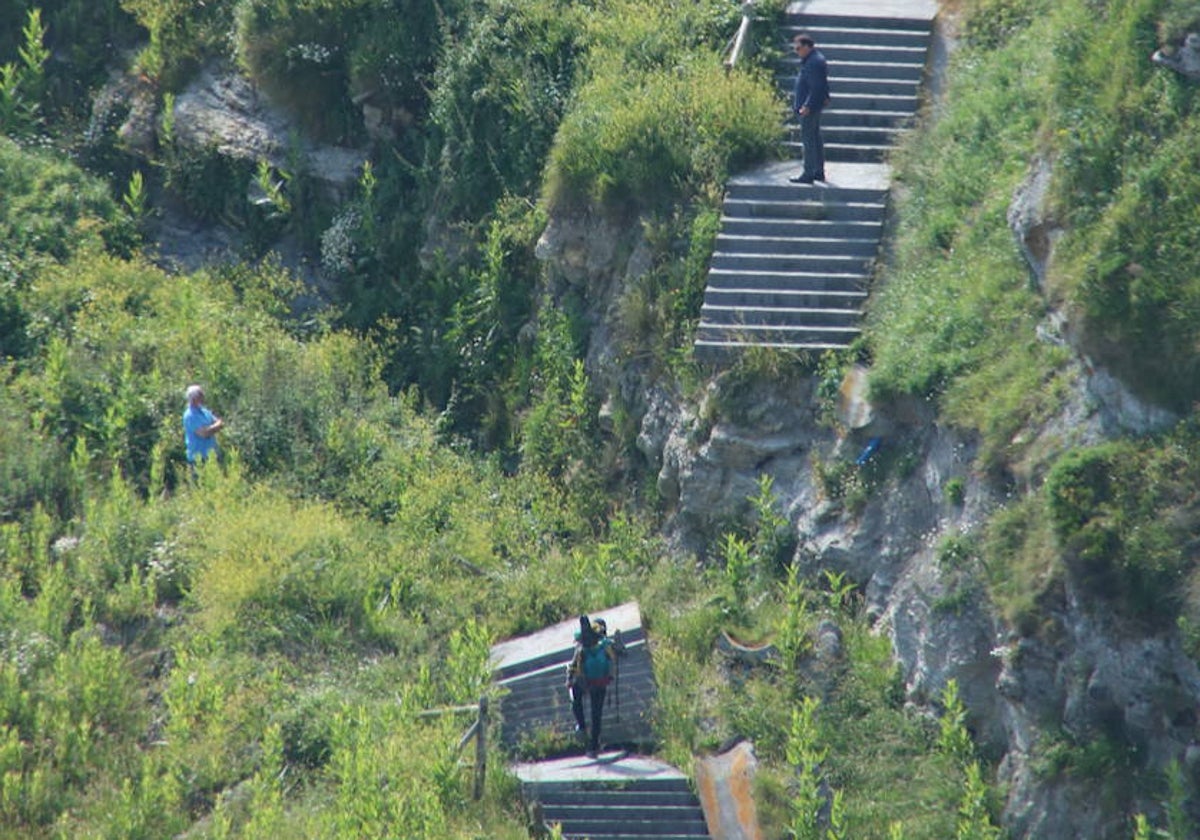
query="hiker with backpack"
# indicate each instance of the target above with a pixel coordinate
(592, 668)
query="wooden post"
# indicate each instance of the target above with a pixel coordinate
(481, 748)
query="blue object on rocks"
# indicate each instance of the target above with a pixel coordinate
(870, 449)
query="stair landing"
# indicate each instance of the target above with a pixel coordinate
(909, 9)
(847, 176)
(609, 766)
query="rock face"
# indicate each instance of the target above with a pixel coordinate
(225, 111)
(1033, 700)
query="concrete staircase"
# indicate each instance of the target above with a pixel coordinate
(876, 65)
(652, 808)
(793, 264)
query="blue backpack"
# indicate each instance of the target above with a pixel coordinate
(597, 665)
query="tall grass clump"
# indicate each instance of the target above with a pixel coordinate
(496, 108)
(656, 118)
(943, 326)
(1123, 131)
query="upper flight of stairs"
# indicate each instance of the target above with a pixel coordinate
(792, 264)
(876, 65)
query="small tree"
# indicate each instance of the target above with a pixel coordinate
(22, 84)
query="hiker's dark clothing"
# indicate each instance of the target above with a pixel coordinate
(595, 689)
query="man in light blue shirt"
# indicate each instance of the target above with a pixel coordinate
(200, 426)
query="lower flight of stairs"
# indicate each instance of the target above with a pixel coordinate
(650, 809)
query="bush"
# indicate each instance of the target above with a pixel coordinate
(667, 137)
(1120, 513)
(657, 118)
(299, 52)
(182, 33)
(500, 91)
(51, 210)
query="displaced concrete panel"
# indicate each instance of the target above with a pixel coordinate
(561, 636)
(725, 784)
(535, 704)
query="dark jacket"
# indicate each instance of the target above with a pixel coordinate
(812, 83)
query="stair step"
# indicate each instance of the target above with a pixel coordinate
(783, 281)
(634, 795)
(782, 299)
(809, 21)
(629, 826)
(869, 102)
(844, 84)
(802, 211)
(878, 119)
(828, 195)
(890, 70)
(779, 336)
(856, 34)
(762, 317)
(832, 246)
(754, 263)
(821, 228)
(844, 152)
(857, 135)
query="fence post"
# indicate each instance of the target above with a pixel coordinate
(481, 748)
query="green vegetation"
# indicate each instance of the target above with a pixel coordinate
(958, 320)
(422, 468)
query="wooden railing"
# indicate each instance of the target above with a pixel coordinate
(478, 731)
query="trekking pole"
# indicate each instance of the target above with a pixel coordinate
(618, 649)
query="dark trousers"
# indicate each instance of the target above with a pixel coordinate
(596, 694)
(814, 146)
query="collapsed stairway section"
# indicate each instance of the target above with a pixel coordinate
(535, 707)
(617, 794)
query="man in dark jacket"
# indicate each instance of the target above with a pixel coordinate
(809, 98)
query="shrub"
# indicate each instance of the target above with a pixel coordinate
(1118, 510)
(51, 210)
(500, 91)
(299, 52)
(181, 34)
(666, 137)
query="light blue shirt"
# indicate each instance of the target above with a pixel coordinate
(195, 419)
